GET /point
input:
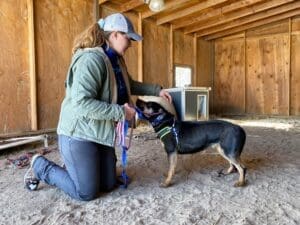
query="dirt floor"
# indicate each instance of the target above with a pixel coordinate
(198, 195)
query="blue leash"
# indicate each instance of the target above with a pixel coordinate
(122, 131)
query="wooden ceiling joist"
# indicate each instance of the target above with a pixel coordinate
(210, 19)
(193, 9)
(237, 15)
(103, 1)
(255, 24)
(249, 19)
(131, 5)
(215, 12)
(168, 6)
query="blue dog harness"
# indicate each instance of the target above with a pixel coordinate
(164, 131)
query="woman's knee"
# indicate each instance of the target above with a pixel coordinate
(87, 196)
(108, 187)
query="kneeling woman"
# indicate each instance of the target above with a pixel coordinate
(98, 94)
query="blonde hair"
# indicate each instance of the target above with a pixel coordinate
(93, 36)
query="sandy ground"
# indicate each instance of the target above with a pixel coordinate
(198, 195)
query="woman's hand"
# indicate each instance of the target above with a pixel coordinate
(164, 94)
(129, 112)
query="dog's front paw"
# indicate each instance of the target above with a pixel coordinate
(164, 184)
(240, 184)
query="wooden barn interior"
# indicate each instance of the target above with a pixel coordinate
(247, 51)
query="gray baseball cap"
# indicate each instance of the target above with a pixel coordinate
(119, 22)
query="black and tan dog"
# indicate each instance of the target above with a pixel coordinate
(186, 137)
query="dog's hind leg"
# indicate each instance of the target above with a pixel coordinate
(234, 164)
(172, 166)
(242, 171)
(230, 170)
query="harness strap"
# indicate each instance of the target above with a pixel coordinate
(166, 130)
(175, 134)
(163, 132)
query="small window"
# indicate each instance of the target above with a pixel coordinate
(183, 76)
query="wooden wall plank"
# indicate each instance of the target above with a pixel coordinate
(296, 24)
(132, 54)
(14, 67)
(183, 49)
(140, 74)
(205, 65)
(184, 53)
(171, 54)
(295, 75)
(229, 78)
(32, 66)
(273, 28)
(194, 57)
(268, 75)
(57, 23)
(156, 53)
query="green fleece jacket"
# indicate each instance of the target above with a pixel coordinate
(89, 110)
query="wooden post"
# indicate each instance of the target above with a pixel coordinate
(290, 69)
(171, 65)
(96, 10)
(195, 56)
(32, 67)
(140, 49)
(245, 75)
(213, 66)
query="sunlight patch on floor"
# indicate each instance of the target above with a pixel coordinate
(267, 124)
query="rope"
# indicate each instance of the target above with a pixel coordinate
(24, 159)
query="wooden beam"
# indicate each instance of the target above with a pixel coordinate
(258, 16)
(246, 73)
(195, 56)
(171, 64)
(32, 66)
(102, 1)
(252, 25)
(140, 49)
(193, 9)
(168, 5)
(129, 5)
(28, 133)
(96, 10)
(111, 6)
(290, 68)
(211, 13)
(222, 19)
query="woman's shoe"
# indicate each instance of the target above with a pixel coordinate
(30, 181)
